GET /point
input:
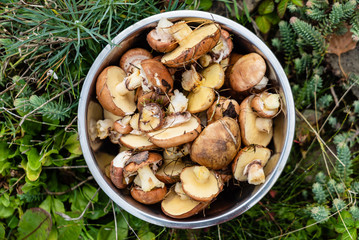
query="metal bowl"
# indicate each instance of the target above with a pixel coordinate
(234, 200)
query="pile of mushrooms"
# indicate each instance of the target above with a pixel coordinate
(181, 136)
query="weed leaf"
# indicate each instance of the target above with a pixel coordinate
(35, 224)
(339, 44)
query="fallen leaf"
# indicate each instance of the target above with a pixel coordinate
(339, 44)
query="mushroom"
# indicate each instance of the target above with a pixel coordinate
(151, 118)
(175, 136)
(137, 142)
(191, 79)
(109, 115)
(266, 104)
(249, 162)
(104, 128)
(193, 46)
(200, 184)
(160, 39)
(178, 103)
(147, 189)
(217, 145)
(247, 72)
(176, 119)
(132, 59)
(116, 169)
(223, 48)
(94, 113)
(107, 95)
(223, 107)
(174, 153)
(202, 97)
(254, 129)
(170, 171)
(180, 30)
(152, 97)
(158, 75)
(178, 205)
(123, 126)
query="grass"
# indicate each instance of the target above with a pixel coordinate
(41, 164)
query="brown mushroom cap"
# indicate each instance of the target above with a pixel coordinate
(246, 156)
(249, 131)
(142, 159)
(197, 43)
(122, 126)
(178, 135)
(176, 207)
(200, 184)
(150, 197)
(158, 75)
(152, 97)
(111, 100)
(159, 44)
(133, 57)
(151, 117)
(116, 169)
(218, 144)
(224, 107)
(247, 72)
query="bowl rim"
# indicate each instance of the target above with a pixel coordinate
(235, 211)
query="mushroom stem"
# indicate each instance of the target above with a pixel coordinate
(180, 192)
(271, 101)
(202, 173)
(104, 128)
(147, 180)
(180, 31)
(264, 124)
(131, 82)
(191, 79)
(255, 172)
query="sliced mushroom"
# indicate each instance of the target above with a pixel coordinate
(107, 95)
(158, 75)
(217, 144)
(200, 184)
(223, 107)
(247, 72)
(175, 136)
(249, 162)
(180, 30)
(197, 43)
(254, 130)
(179, 205)
(170, 171)
(266, 104)
(160, 39)
(116, 169)
(151, 118)
(138, 142)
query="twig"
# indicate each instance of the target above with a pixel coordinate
(115, 219)
(334, 96)
(68, 218)
(13, 185)
(66, 167)
(129, 226)
(71, 189)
